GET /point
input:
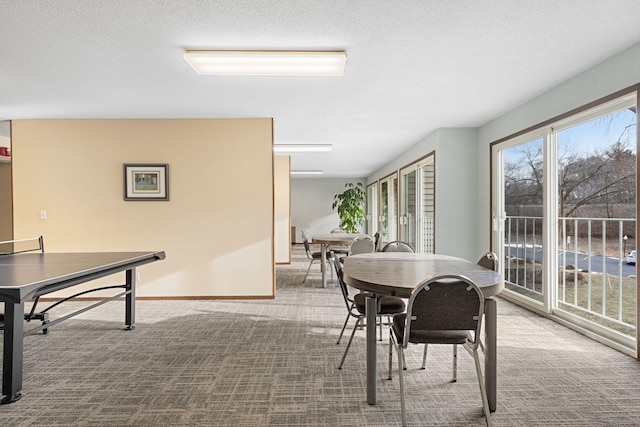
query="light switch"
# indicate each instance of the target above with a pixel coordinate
(43, 214)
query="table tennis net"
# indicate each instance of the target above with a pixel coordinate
(32, 244)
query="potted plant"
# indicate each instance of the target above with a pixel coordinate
(350, 206)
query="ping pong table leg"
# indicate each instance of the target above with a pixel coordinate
(12, 353)
(130, 300)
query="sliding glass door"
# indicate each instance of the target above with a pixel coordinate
(521, 200)
(389, 209)
(372, 209)
(565, 217)
(417, 206)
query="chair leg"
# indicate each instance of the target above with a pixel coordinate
(400, 356)
(380, 328)
(346, 350)
(308, 269)
(424, 357)
(400, 368)
(404, 362)
(455, 363)
(390, 351)
(330, 267)
(483, 390)
(343, 328)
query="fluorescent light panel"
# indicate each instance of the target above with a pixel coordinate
(308, 172)
(266, 63)
(301, 148)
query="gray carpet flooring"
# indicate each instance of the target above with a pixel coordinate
(274, 363)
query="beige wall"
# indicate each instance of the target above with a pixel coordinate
(282, 189)
(217, 228)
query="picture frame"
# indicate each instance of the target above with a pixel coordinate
(146, 181)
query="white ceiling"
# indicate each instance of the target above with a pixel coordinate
(413, 66)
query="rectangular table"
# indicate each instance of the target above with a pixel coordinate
(25, 276)
(325, 241)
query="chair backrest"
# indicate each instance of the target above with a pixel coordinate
(337, 230)
(305, 241)
(376, 239)
(397, 246)
(445, 303)
(362, 244)
(340, 277)
(489, 260)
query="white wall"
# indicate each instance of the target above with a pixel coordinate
(456, 153)
(5, 128)
(456, 196)
(311, 200)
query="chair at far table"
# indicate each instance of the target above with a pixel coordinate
(489, 260)
(339, 249)
(387, 306)
(362, 244)
(376, 240)
(398, 246)
(313, 256)
(446, 309)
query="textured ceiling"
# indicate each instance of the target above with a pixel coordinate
(413, 66)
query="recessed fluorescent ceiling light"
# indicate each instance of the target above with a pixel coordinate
(306, 172)
(266, 63)
(301, 148)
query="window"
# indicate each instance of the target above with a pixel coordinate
(564, 212)
(389, 209)
(372, 209)
(417, 208)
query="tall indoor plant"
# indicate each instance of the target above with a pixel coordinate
(350, 206)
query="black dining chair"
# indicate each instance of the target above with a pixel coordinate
(397, 246)
(362, 244)
(387, 306)
(376, 240)
(339, 249)
(311, 255)
(446, 309)
(489, 260)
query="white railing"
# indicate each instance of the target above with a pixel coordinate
(594, 280)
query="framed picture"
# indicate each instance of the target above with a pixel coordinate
(146, 181)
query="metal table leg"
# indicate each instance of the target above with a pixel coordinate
(130, 300)
(13, 351)
(323, 260)
(371, 308)
(490, 357)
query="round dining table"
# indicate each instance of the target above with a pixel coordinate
(326, 240)
(398, 273)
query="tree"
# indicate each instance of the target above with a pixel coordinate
(598, 178)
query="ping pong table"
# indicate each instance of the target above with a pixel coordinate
(26, 276)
